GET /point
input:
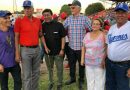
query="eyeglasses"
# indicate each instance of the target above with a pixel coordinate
(46, 15)
(72, 7)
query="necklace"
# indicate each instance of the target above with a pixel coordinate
(8, 39)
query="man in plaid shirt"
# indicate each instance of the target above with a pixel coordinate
(77, 26)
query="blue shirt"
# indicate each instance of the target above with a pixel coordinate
(7, 48)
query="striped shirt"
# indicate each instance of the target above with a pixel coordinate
(77, 26)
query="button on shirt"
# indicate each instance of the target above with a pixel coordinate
(77, 27)
(28, 30)
(7, 48)
(53, 32)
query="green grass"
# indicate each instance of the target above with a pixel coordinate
(43, 83)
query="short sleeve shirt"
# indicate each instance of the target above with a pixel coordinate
(118, 40)
(7, 48)
(95, 49)
(28, 30)
(53, 32)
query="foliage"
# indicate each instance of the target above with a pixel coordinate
(65, 8)
(94, 8)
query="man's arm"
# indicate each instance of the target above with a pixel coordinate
(1, 68)
(62, 43)
(128, 73)
(62, 46)
(88, 27)
(17, 52)
(66, 23)
(44, 44)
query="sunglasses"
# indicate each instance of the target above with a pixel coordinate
(72, 7)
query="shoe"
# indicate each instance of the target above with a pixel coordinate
(50, 87)
(70, 82)
(59, 87)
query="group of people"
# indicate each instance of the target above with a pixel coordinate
(102, 56)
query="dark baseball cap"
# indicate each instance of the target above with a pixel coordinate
(75, 3)
(27, 3)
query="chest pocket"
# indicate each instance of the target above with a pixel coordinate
(56, 34)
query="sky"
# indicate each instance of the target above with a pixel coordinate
(54, 5)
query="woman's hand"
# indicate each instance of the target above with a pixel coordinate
(103, 64)
(82, 63)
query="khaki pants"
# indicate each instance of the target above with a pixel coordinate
(50, 66)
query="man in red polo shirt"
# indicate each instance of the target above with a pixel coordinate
(27, 36)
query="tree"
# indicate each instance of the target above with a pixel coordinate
(94, 8)
(65, 8)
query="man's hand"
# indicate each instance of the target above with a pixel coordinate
(128, 73)
(47, 50)
(1, 68)
(61, 53)
(17, 57)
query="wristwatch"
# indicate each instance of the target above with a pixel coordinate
(62, 49)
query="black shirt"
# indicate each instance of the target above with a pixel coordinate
(53, 32)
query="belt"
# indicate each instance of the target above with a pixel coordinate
(35, 46)
(121, 62)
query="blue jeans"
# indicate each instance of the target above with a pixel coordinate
(116, 78)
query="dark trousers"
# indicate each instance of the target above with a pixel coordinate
(67, 49)
(73, 56)
(116, 78)
(16, 74)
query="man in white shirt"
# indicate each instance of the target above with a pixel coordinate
(118, 62)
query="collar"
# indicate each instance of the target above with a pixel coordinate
(25, 17)
(76, 16)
